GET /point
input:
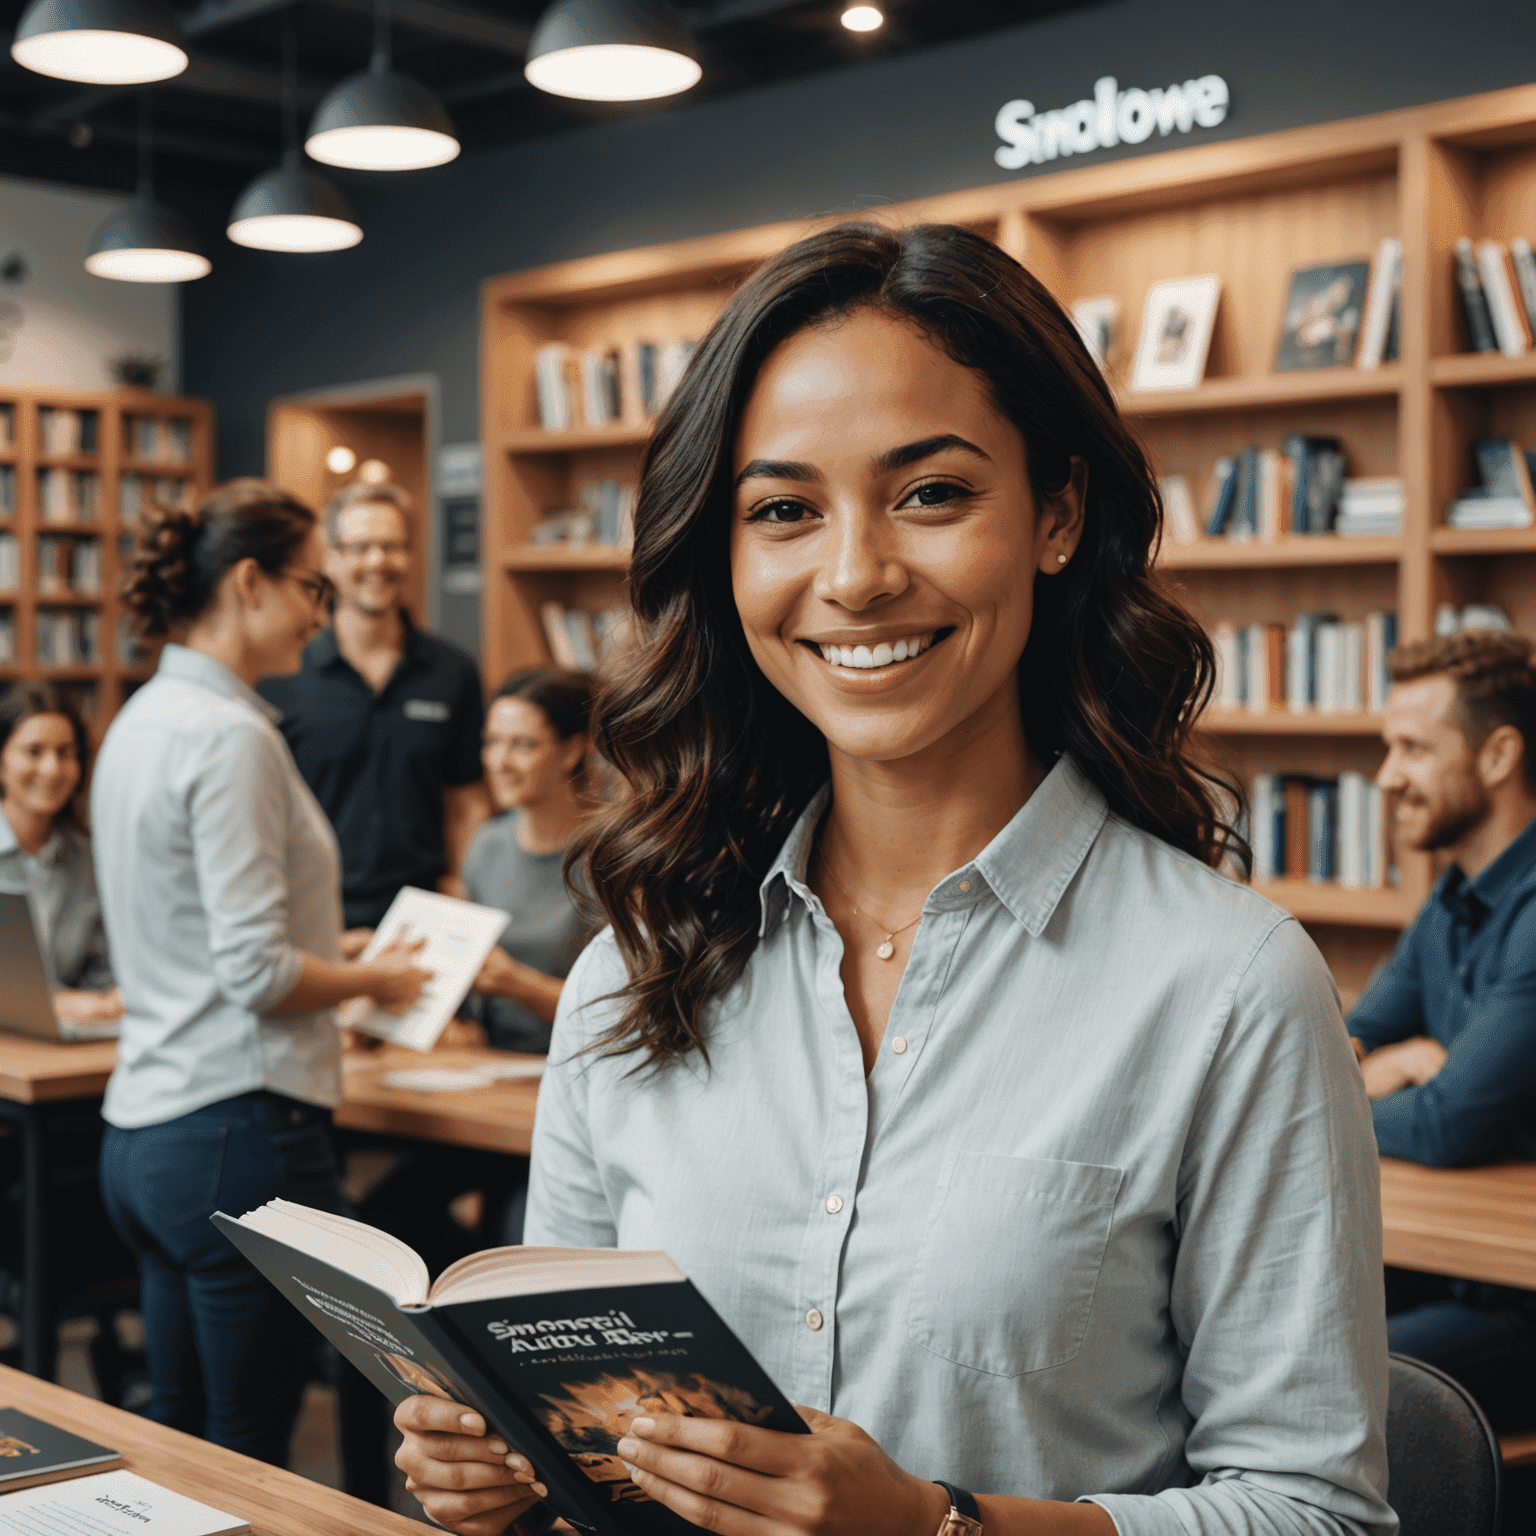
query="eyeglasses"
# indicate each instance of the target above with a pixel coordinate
(390, 549)
(318, 588)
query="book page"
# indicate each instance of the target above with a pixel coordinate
(112, 1504)
(459, 936)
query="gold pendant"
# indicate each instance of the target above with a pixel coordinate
(886, 950)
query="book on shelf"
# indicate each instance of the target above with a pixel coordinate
(1317, 467)
(1504, 498)
(7, 635)
(34, 1453)
(1223, 493)
(583, 639)
(600, 403)
(1450, 620)
(10, 562)
(68, 637)
(556, 1348)
(627, 383)
(1474, 303)
(1319, 664)
(52, 556)
(1371, 505)
(1523, 264)
(1262, 494)
(1304, 827)
(1322, 316)
(129, 652)
(113, 1504)
(7, 490)
(85, 567)
(7, 428)
(604, 514)
(1383, 297)
(1179, 509)
(1098, 323)
(551, 386)
(1506, 313)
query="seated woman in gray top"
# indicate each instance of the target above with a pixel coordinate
(535, 764)
(44, 851)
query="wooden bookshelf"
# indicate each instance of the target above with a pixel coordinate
(1252, 211)
(89, 520)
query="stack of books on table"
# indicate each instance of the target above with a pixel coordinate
(1372, 505)
(1320, 663)
(1504, 498)
(1319, 829)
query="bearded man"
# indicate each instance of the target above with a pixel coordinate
(1447, 1032)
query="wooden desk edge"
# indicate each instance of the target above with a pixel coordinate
(275, 1501)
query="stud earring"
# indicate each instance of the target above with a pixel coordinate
(1061, 559)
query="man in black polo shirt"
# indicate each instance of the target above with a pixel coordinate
(384, 720)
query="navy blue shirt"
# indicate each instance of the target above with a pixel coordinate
(1464, 974)
(378, 763)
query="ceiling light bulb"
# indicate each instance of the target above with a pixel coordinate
(148, 264)
(146, 243)
(340, 461)
(373, 472)
(381, 121)
(100, 42)
(292, 209)
(863, 18)
(612, 50)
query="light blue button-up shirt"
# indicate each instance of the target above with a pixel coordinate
(60, 887)
(216, 867)
(1102, 1222)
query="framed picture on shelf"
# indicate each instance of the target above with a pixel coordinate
(1176, 329)
(1322, 316)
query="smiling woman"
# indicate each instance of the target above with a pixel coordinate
(1022, 1147)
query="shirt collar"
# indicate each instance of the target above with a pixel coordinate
(325, 650)
(198, 667)
(55, 850)
(1028, 865)
(1498, 880)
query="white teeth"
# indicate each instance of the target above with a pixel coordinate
(864, 658)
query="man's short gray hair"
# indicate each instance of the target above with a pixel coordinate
(361, 494)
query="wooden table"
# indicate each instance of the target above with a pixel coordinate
(277, 1503)
(37, 1077)
(1473, 1223)
(494, 1119)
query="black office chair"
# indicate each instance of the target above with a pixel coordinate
(1445, 1475)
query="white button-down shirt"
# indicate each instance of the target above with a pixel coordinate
(1102, 1222)
(216, 866)
(60, 886)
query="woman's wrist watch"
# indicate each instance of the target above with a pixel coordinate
(964, 1518)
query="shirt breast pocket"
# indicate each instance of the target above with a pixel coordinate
(1009, 1262)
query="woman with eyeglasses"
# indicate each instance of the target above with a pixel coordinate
(220, 887)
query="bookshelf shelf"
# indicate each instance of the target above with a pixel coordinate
(1472, 369)
(539, 440)
(1275, 722)
(1483, 541)
(1264, 391)
(1294, 551)
(1337, 904)
(565, 557)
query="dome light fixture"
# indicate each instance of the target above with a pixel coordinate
(340, 460)
(863, 18)
(100, 42)
(290, 208)
(381, 120)
(146, 242)
(612, 50)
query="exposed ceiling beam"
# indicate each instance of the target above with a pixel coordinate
(432, 17)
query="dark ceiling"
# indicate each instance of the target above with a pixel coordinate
(220, 123)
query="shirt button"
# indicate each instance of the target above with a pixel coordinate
(965, 885)
(834, 1204)
(899, 1045)
(813, 1319)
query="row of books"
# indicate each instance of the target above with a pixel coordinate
(68, 495)
(10, 563)
(137, 491)
(1498, 294)
(1503, 496)
(68, 565)
(1320, 829)
(1319, 663)
(158, 439)
(627, 383)
(584, 638)
(7, 428)
(62, 431)
(7, 490)
(67, 637)
(604, 514)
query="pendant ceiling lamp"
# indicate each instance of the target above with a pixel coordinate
(100, 42)
(146, 243)
(612, 50)
(290, 208)
(381, 120)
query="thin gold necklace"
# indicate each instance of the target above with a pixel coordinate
(885, 949)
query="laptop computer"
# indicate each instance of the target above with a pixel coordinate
(26, 999)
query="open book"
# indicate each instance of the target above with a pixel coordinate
(557, 1348)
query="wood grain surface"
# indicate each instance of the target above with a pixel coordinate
(1474, 1223)
(43, 1071)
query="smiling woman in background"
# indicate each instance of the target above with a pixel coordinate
(44, 850)
(1019, 1144)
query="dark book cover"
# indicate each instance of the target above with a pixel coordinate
(33, 1452)
(1393, 346)
(1474, 301)
(559, 1376)
(1322, 316)
(1502, 467)
(1245, 498)
(1319, 481)
(1221, 503)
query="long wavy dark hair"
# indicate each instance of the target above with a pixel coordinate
(719, 764)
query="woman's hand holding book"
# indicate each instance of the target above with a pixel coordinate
(466, 1480)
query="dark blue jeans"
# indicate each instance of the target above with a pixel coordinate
(227, 1354)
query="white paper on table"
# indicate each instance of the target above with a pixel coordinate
(453, 1079)
(459, 936)
(111, 1504)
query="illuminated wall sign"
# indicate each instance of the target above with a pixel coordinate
(1112, 117)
